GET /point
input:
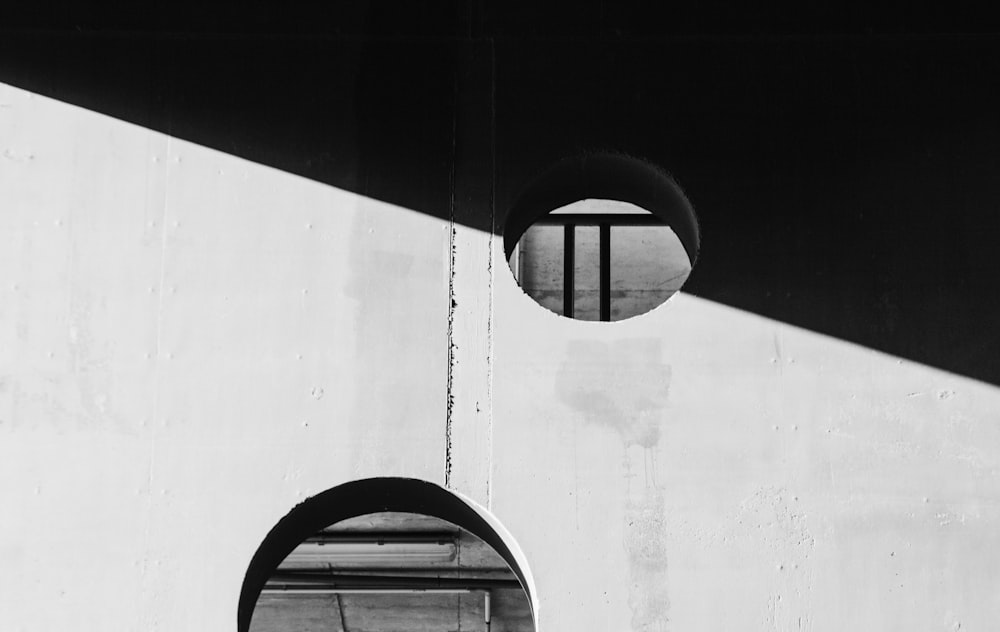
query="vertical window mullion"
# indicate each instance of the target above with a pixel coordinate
(605, 271)
(569, 261)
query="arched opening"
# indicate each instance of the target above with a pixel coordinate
(602, 237)
(372, 553)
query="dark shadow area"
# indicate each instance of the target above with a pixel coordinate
(604, 176)
(352, 96)
(842, 165)
(845, 185)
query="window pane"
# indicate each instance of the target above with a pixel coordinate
(586, 270)
(540, 265)
(648, 264)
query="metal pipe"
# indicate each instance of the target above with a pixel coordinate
(320, 590)
(569, 263)
(328, 580)
(605, 271)
(486, 609)
(381, 537)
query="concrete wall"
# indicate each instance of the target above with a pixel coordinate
(192, 344)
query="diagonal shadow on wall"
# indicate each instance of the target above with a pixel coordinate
(845, 179)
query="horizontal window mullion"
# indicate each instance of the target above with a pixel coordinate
(587, 219)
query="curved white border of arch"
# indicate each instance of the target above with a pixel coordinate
(511, 542)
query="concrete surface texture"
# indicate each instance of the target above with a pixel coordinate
(192, 344)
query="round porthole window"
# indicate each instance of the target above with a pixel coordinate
(391, 571)
(602, 238)
(387, 554)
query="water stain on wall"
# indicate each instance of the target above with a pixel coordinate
(645, 544)
(623, 386)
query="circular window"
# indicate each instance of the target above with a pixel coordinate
(386, 554)
(600, 260)
(602, 238)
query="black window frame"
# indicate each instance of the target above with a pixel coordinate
(604, 222)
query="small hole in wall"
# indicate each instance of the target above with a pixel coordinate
(603, 260)
(386, 554)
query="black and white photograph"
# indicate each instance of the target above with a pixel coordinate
(499, 316)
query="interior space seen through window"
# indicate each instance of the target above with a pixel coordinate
(393, 571)
(600, 260)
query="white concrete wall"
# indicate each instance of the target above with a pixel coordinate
(700, 468)
(191, 344)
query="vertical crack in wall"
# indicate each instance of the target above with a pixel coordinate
(489, 263)
(469, 433)
(452, 235)
(451, 354)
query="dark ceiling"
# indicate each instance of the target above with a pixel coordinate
(843, 163)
